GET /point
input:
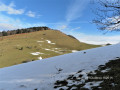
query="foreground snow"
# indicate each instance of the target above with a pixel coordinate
(42, 74)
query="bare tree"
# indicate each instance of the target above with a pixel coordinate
(107, 15)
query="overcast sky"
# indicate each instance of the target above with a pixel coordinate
(70, 16)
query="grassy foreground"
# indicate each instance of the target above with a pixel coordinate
(16, 49)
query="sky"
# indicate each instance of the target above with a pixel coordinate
(73, 17)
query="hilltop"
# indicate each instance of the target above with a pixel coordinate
(37, 45)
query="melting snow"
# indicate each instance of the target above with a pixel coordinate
(91, 84)
(47, 49)
(40, 41)
(42, 74)
(57, 48)
(36, 53)
(74, 51)
(106, 70)
(49, 42)
(39, 58)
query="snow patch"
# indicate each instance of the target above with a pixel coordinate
(39, 58)
(48, 41)
(74, 51)
(36, 53)
(40, 41)
(47, 49)
(106, 70)
(91, 84)
(57, 48)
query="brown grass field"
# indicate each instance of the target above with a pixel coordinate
(16, 49)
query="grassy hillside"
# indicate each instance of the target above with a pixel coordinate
(20, 48)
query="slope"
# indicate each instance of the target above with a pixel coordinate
(42, 74)
(21, 48)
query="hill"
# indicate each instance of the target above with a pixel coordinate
(83, 70)
(25, 47)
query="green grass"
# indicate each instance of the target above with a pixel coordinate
(16, 49)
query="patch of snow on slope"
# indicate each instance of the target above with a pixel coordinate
(106, 70)
(36, 53)
(53, 51)
(48, 41)
(56, 48)
(42, 74)
(91, 84)
(40, 41)
(47, 49)
(39, 58)
(74, 51)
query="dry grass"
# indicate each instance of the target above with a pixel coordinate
(15, 49)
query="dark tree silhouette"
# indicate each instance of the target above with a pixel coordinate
(107, 15)
(26, 30)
